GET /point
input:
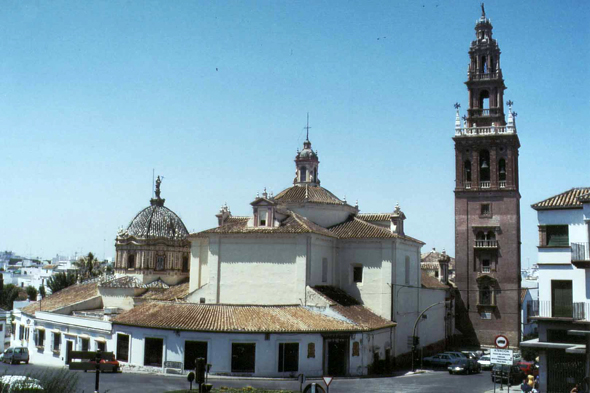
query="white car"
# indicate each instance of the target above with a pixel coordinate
(18, 382)
(485, 362)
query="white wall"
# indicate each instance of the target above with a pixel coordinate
(431, 329)
(579, 279)
(574, 218)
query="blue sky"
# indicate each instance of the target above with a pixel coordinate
(214, 96)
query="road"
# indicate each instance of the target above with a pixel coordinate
(431, 382)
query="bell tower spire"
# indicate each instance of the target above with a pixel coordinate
(306, 163)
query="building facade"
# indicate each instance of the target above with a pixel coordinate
(563, 309)
(487, 201)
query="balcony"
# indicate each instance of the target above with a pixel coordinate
(467, 185)
(479, 131)
(485, 112)
(485, 184)
(581, 255)
(502, 183)
(484, 76)
(578, 311)
(486, 244)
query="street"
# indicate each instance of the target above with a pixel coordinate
(430, 382)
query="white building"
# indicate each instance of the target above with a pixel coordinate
(564, 289)
(305, 283)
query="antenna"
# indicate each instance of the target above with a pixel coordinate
(307, 128)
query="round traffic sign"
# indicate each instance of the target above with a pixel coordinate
(501, 341)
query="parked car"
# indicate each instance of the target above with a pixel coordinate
(15, 355)
(457, 355)
(507, 374)
(114, 363)
(440, 360)
(19, 383)
(485, 362)
(464, 366)
(529, 368)
(471, 354)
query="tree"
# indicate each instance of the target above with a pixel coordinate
(88, 267)
(42, 291)
(32, 293)
(59, 281)
(7, 296)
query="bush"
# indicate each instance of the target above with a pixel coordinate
(53, 381)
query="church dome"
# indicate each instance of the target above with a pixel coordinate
(157, 221)
(307, 153)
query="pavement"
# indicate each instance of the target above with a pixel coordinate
(426, 382)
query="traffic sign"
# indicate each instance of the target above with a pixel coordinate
(328, 380)
(501, 356)
(501, 342)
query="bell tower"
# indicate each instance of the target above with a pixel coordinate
(487, 200)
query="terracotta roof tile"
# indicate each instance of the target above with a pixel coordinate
(315, 194)
(565, 200)
(432, 282)
(176, 292)
(65, 297)
(236, 219)
(355, 228)
(374, 216)
(237, 318)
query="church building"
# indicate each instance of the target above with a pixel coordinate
(487, 201)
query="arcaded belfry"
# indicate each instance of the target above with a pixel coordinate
(487, 200)
(154, 245)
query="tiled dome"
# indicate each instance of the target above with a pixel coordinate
(157, 221)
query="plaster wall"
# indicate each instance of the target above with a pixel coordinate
(322, 248)
(579, 277)
(431, 329)
(574, 218)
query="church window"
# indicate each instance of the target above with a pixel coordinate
(485, 266)
(486, 296)
(311, 351)
(303, 174)
(160, 261)
(324, 269)
(407, 271)
(486, 209)
(467, 170)
(288, 357)
(185, 264)
(484, 167)
(131, 261)
(502, 169)
(356, 348)
(243, 358)
(262, 217)
(357, 274)
(484, 64)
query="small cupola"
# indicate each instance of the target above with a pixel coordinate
(306, 163)
(397, 221)
(223, 215)
(264, 211)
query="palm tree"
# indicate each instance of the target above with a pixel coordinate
(88, 267)
(59, 281)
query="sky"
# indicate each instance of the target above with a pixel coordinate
(212, 95)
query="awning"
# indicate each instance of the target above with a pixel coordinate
(56, 331)
(84, 336)
(39, 328)
(70, 334)
(100, 340)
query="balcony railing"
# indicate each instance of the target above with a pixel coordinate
(485, 184)
(482, 76)
(580, 251)
(486, 269)
(475, 131)
(467, 185)
(486, 244)
(579, 311)
(502, 183)
(485, 112)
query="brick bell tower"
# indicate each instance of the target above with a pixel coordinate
(487, 201)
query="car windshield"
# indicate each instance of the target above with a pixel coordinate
(485, 358)
(462, 362)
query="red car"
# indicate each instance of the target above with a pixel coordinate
(114, 363)
(529, 368)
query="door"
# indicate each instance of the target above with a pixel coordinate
(337, 353)
(561, 299)
(192, 351)
(69, 348)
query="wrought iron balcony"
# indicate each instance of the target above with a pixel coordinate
(485, 112)
(486, 244)
(580, 251)
(484, 76)
(578, 311)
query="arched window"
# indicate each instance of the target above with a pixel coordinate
(480, 236)
(490, 235)
(303, 174)
(485, 296)
(467, 170)
(484, 166)
(131, 261)
(484, 100)
(484, 64)
(502, 169)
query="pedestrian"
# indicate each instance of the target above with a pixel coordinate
(525, 386)
(576, 389)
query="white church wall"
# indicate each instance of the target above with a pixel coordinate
(259, 271)
(199, 267)
(431, 329)
(322, 248)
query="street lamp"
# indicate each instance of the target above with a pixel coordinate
(415, 339)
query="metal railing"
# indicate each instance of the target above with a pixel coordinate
(485, 184)
(486, 269)
(495, 130)
(580, 251)
(482, 76)
(486, 244)
(579, 311)
(467, 184)
(502, 183)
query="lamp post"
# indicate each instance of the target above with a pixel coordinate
(414, 338)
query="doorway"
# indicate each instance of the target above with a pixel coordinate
(69, 348)
(336, 357)
(192, 351)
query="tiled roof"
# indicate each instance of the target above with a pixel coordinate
(132, 282)
(49, 267)
(355, 228)
(374, 216)
(65, 297)
(336, 295)
(157, 221)
(315, 194)
(236, 219)
(238, 318)
(565, 200)
(432, 282)
(292, 224)
(176, 292)
(429, 265)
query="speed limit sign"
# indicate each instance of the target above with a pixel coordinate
(501, 342)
